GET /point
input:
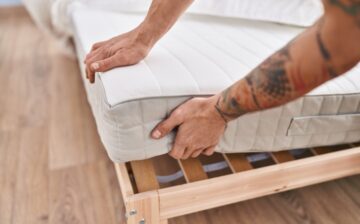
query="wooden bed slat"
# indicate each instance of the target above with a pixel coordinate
(281, 157)
(328, 149)
(320, 151)
(237, 162)
(145, 176)
(192, 169)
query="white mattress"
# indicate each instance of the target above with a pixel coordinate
(201, 56)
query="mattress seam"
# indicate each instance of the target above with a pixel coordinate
(153, 75)
(210, 60)
(191, 74)
(226, 53)
(248, 49)
(211, 94)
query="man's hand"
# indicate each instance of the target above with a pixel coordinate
(132, 47)
(200, 127)
(122, 50)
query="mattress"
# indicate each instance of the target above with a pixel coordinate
(201, 56)
(295, 12)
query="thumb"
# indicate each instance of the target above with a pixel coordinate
(166, 126)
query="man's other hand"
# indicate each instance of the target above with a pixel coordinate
(125, 49)
(200, 127)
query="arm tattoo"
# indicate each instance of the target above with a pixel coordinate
(232, 108)
(350, 7)
(270, 79)
(267, 83)
(278, 79)
(251, 84)
(325, 52)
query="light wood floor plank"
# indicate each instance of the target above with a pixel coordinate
(32, 178)
(72, 127)
(9, 153)
(83, 194)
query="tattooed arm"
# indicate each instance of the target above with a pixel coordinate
(324, 51)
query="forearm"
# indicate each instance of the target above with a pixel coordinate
(161, 17)
(324, 51)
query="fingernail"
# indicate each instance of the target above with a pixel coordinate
(95, 66)
(156, 134)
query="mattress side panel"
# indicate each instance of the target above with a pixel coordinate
(255, 132)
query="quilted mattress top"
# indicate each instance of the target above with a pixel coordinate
(200, 55)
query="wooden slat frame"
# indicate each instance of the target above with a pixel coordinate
(320, 151)
(206, 194)
(237, 162)
(328, 149)
(282, 156)
(192, 170)
(142, 205)
(161, 204)
(145, 176)
(145, 206)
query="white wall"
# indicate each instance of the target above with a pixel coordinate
(10, 2)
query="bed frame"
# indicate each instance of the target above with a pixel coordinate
(146, 201)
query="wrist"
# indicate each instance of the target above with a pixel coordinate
(149, 32)
(214, 110)
(227, 111)
(146, 36)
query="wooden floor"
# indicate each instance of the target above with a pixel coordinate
(53, 168)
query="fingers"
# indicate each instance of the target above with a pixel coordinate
(197, 153)
(97, 45)
(106, 64)
(100, 50)
(90, 59)
(185, 153)
(94, 56)
(90, 73)
(209, 151)
(87, 72)
(95, 49)
(189, 152)
(177, 151)
(167, 125)
(97, 55)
